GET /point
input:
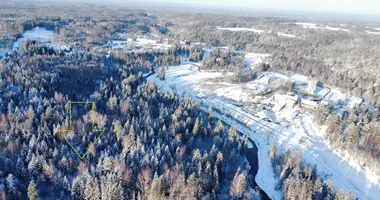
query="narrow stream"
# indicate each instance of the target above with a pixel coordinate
(251, 155)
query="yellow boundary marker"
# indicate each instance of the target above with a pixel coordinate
(92, 127)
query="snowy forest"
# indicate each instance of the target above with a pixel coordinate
(158, 144)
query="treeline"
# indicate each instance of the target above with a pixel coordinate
(298, 181)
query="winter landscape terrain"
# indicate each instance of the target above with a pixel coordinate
(192, 104)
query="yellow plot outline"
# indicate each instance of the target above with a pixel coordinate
(71, 127)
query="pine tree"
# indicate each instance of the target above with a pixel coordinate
(233, 135)
(92, 191)
(1, 82)
(191, 190)
(11, 187)
(157, 188)
(273, 152)
(196, 127)
(350, 196)
(117, 130)
(244, 144)
(32, 191)
(339, 194)
(216, 179)
(318, 189)
(328, 192)
(210, 115)
(111, 187)
(77, 189)
(238, 188)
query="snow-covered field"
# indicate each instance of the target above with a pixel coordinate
(255, 31)
(317, 26)
(300, 134)
(241, 29)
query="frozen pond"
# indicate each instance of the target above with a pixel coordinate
(37, 34)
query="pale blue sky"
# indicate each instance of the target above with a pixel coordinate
(370, 7)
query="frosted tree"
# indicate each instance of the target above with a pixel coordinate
(32, 191)
(92, 191)
(238, 188)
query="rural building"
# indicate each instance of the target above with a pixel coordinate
(290, 100)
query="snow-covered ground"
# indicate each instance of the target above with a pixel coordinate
(241, 29)
(317, 26)
(301, 133)
(254, 30)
